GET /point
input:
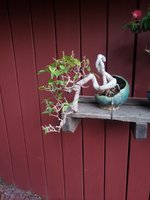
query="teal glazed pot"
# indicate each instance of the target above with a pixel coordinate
(118, 99)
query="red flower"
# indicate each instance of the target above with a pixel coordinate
(137, 14)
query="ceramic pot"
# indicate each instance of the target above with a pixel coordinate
(118, 99)
(148, 95)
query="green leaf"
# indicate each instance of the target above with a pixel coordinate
(50, 82)
(60, 82)
(59, 96)
(62, 67)
(52, 69)
(144, 24)
(71, 61)
(77, 62)
(50, 103)
(75, 77)
(42, 71)
(88, 68)
(57, 73)
(65, 107)
(148, 23)
(45, 112)
(134, 27)
(48, 111)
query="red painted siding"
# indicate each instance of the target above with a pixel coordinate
(93, 41)
(101, 160)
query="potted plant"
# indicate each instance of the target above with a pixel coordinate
(140, 24)
(68, 75)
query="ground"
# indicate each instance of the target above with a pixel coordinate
(11, 192)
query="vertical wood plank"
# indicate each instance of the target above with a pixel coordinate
(11, 102)
(27, 87)
(94, 159)
(6, 170)
(139, 180)
(119, 61)
(116, 160)
(45, 49)
(139, 177)
(68, 39)
(93, 38)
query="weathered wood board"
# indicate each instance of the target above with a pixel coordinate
(134, 110)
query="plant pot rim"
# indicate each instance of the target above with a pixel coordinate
(113, 103)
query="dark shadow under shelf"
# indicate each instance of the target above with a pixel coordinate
(135, 110)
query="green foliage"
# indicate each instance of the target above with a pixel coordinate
(139, 25)
(65, 107)
(64, 73)
(133, 26)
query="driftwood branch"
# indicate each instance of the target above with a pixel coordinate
(108, 81)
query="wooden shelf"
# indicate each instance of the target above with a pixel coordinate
(135, 110)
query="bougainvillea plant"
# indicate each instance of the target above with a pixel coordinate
(68, 75)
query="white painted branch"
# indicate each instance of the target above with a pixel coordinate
(108, 81)
(77, 89)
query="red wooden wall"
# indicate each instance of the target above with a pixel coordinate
(101, 160)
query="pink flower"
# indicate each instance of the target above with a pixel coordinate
(137, 14)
